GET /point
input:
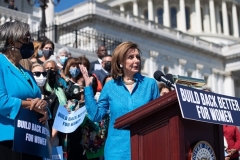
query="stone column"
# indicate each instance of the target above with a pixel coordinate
(235, 20)
(229, 84)
(49, 13)
(166, 13)
(219, 27)
(152, 62)
(214, 80)
(181, 65)
(198, 16)
(135, 8)
(225, 18)
(220, 83)
(199, 68)
(182, 25)
(122, 9)
(212, 16)
(150, 10)
(206, 19)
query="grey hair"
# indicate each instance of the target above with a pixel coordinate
(48, 61)
(13, 29)
(64, 49)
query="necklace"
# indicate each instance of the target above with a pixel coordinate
(129, 83)
(19, 69)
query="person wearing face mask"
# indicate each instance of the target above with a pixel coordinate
(72, 73)
(74, 93)
(106, 68)
(45, 51)
(40, 76)
(62, 56)
(54, 94)
(18, 88)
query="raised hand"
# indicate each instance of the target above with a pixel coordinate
(87, 79)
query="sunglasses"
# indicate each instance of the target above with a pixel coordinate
(37, 74)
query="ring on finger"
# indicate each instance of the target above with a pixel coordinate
(39, 107)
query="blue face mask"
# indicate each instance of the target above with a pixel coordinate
(74, 71)
(63, 60)
(40, 53)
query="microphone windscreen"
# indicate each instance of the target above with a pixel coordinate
(157, 75)
(170, 77)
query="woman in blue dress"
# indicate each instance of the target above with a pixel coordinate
(18, 89)
(127, 91)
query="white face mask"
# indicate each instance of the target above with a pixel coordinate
(40, 80)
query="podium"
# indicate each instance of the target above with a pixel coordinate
(158, 131)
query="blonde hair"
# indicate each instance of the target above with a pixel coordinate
(37, 45)
(118, 57)
(26, 64)
(37, 65)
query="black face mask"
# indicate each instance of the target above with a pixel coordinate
(26, 50)
(108, 66)
(51, 74)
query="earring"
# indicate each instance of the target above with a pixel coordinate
(12, 48)
(121, 66)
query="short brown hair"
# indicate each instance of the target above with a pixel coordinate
(70, 62)
(162, 85)
(118, 57)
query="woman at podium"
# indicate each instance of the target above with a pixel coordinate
(127, 91)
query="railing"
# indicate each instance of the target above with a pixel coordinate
(98, 9)
(84, 39)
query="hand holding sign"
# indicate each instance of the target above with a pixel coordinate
(68, 122)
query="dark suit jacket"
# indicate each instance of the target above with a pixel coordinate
(92, 64)
(100, 75)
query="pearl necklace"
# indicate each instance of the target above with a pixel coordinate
(129, 83)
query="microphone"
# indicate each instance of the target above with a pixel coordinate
(170, 77)
(159, 76)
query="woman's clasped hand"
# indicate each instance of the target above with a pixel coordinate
(40, 106)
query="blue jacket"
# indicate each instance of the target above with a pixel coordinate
(13, 89)
(116, 97)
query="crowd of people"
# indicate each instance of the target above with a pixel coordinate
(43, 83)
(109, 87)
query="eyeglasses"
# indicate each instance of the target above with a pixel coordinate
(37, 74)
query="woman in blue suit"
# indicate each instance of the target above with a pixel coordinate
(18, 88)
(127, 91)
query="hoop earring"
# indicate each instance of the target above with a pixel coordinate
(121, 66)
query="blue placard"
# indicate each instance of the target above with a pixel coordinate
(31, 136)
(57, 153)
(208, 106)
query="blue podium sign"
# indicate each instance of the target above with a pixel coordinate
(31, 136)
(208, 106)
